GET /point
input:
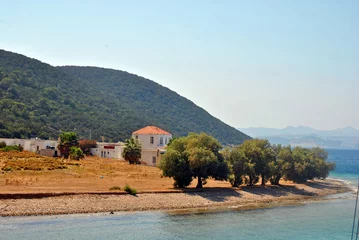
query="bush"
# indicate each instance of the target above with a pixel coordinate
(2, 144)
(115, 188)
(7, 169)
(12, 148)
(76, 153)
(130, 190)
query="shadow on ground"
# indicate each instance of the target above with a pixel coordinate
(215, 194)
(277, 191)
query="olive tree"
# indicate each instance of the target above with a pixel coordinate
(194, 156)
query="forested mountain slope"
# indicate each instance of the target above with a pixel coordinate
(40, 100)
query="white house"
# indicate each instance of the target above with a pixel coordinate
(44, 147)
(153, 140)
(108, 150)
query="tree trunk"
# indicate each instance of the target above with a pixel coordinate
(250, 180)
(199, 184)
(277, 180)
(235, 182)
(263, 180)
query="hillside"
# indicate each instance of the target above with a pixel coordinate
(39, 100)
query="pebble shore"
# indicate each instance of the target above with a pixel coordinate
(241, 198)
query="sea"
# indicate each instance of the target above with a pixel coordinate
(331, 218)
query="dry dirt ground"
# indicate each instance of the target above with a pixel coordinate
(28, 172)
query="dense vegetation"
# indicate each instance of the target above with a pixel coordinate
(258, 158)
(198, 156)
(39, 100)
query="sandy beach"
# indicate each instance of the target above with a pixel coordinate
(26, 204)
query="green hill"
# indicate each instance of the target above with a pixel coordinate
(39, 100)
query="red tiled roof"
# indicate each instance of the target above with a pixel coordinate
(151, 130)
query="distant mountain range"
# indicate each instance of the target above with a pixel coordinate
(347, 137)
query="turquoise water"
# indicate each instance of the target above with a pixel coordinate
(347, 165)
(328, 219)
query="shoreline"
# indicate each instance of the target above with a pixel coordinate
(176, 201)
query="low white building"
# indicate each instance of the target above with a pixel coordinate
(153, 140)
(108, 150)
(35, 145)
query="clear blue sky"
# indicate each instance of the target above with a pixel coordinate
(249, 63)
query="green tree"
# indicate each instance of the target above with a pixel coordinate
(258, 153)
(283, 156)
(197, 155)
(132, 151)
(238, 164)
(307, 164)
(67, 140)
(76, 153)
(318, 167)
(175, 163)
(171, 140)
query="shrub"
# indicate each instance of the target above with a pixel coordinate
(130, 190)
(115, 188)
(7, 169)
(2, 144)
(12, 148)
(76, 153)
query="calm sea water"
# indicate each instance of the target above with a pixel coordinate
(347, 165)
(329, 219)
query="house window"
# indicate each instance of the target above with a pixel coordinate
(161, 140)
(151, 140)
(153, 160)
(165, 141)
(136, 136)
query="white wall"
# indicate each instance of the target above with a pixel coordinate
(102, 151)
(31, 145)
(145, 140)
(149, 151)
(147, 156)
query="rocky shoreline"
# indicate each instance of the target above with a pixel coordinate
(30, 204)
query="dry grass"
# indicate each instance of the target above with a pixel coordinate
(34, 173)
(45, 174)
(18, 161)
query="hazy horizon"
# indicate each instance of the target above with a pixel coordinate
(272, 64)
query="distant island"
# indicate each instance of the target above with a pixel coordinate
(341, 138)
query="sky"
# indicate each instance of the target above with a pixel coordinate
(268, 63)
